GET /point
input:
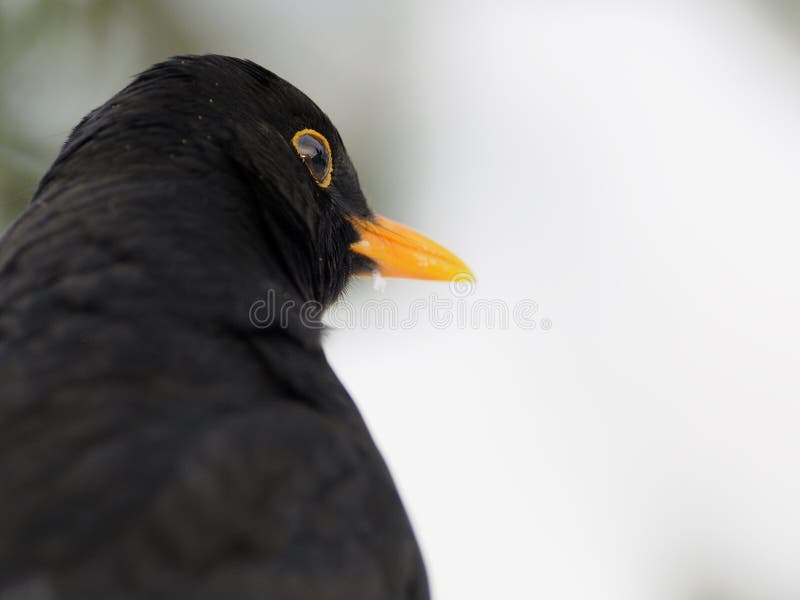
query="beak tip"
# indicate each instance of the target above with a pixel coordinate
(465, 274)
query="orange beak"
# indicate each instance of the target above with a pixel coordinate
(399, 251)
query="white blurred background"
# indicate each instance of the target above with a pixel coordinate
(633, 167)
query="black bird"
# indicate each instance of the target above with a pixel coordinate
(169, 425)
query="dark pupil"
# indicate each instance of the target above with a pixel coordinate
(314, 155)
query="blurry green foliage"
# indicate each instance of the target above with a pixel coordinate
(787, 13)
(31, 29)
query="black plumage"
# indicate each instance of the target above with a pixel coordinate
(153, 441)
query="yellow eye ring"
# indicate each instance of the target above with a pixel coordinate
(315, 152)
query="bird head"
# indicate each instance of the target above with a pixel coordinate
(232, 114)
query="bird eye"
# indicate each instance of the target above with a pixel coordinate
(315, 151)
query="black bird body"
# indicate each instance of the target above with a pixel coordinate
(153, 441)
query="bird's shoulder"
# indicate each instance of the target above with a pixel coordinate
(279, 497)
